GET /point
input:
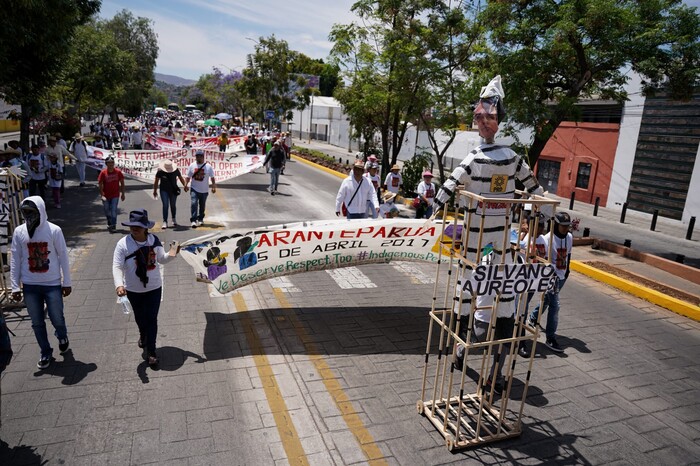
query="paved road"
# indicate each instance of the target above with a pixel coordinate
(324, 367)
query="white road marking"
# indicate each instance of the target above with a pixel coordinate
(416, 275)
(350, 277)
(284, 284)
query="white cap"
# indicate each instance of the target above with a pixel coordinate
(493, 89)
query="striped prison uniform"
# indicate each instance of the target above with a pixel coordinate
(490, 171)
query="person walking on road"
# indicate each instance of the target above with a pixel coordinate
(167, 176)
(426, 193)
(199, 173)
(355, 192)
(276, 158)
(79, 150)
(111, 183)
(38, 172)
(562, 241)
(39, 265)
(137, 276)
(393, 180)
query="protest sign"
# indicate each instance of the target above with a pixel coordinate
(142, 165)
(235, 258)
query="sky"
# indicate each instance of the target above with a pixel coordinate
(196, 35)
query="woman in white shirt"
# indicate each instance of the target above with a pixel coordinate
(137, 275)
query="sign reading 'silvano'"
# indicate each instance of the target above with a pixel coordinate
(235, 258)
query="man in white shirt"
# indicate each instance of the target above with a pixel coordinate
(199, 173)
(79, 150)
(136, 138)
(355, 192)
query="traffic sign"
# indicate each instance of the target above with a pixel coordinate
(269, 114)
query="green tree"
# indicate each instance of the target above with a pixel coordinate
(157, 97)
(93, 74)
(385, 61)
(35, 39)
(553, 54)
(456, 43)
(135, 35)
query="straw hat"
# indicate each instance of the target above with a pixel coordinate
(388, 196)
(167, 166)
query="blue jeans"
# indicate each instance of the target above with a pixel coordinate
(110, 206)
(274, 178)
(34, 297)
(197, 199)
(146, 306)
(168, 200)
(551, 305)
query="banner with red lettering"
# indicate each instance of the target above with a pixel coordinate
(236, 143)
(142, 165)
(235, 258)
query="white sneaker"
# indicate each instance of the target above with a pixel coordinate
(199, 223)
(165, 225)
(194, 224)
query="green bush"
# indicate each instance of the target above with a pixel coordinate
(412, 172)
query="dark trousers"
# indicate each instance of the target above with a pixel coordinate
(146, 306)
(37, 187)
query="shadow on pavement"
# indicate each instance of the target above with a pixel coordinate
(72, 370)
(171, 359)
(540, 443)
(21, 454)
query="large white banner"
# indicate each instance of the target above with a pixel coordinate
(142, 165)
(235, 258)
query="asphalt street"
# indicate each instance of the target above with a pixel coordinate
(323, 368)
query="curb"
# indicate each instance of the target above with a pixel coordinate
(320, 167)
(647, 294)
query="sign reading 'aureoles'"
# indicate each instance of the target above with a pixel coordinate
(235, 258)
(142, 165)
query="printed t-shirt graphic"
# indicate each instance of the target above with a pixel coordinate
(38, 257)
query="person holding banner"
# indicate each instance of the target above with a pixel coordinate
(137, 276)
(199, 172)
(355, 192)
(167, 176)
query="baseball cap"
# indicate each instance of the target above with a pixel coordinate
(562, 218)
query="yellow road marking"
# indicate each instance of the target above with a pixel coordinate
(285, 426)
(653, 296)
(351, 418)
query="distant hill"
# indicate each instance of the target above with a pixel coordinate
(174, 80)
